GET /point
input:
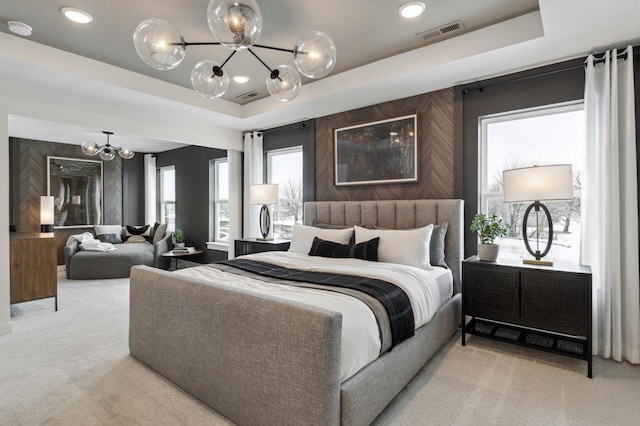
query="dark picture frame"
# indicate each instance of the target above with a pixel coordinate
(384, 151)
(77, 190)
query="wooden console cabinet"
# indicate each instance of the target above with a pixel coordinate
(34, 267)
(547, 308)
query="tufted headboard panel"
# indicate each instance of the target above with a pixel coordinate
(398, 214)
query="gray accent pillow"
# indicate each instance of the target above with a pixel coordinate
(436, 245)
(159, 233)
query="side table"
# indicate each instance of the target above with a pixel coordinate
(176, 256)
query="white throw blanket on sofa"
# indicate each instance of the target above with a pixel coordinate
(88, 242)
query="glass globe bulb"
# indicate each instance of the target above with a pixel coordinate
(236, 24)
(107, 153)
(315, 54)
(125, 153)
(286, 85)
(90, 148)
(206, 83)
(159, 44)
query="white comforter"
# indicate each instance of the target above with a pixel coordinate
(360, 335)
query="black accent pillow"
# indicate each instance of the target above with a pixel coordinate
(111, 238)
(366, 250)
(137, 230)
(328, 249)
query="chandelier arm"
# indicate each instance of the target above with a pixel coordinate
(275, 48)
(274, 73)
(227, 60)
(204, 43)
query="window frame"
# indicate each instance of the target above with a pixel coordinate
(268, 170)
(217, 201)
(162, 204)
(485, 197)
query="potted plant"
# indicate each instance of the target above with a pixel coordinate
(488, 229)
(178, 238)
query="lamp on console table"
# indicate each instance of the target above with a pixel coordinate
(536, 184)
(264, 194)
(46, 214)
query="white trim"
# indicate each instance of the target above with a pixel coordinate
(212, 245)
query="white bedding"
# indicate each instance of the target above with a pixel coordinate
(427, 290)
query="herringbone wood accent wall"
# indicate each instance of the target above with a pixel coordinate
(31, 159)
(435, 149)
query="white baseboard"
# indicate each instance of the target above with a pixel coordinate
(62, 268)
(5, 328)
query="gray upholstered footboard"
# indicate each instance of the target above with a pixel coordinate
(366, 394)
(239, 353)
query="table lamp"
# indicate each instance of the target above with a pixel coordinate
(264, 194)
(536, 184)
(46, 214)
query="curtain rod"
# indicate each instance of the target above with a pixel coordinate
(300, 125)
(480, 88)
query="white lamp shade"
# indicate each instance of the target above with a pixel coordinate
(46, 210)
(263, 194)
(538, 183)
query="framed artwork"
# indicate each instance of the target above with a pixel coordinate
(76, 188)
(384, 151)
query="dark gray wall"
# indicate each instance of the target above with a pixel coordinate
(553, 84)
(295, 135)
(192, 195)
(133, 190)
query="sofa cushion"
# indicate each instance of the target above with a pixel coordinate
(112, 264)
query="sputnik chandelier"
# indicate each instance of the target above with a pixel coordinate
(106, 152)
(237, 25)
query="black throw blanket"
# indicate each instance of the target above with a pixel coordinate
(393, 298)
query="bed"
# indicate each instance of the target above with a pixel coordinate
(257, 358)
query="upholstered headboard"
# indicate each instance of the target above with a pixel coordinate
(398, 214)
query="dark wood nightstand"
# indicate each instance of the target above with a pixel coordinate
(253, 245)
(541, 307)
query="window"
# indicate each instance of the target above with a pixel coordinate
(168, 197)
(221, 201)
(541, 136)
(284, 167)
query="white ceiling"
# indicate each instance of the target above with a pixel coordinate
(379, 58)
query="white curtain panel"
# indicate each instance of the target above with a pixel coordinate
(253, 174)
(150, 171)
(610, 206)
(235, 199)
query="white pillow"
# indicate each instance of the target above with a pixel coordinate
(406, 247)
(303, 235)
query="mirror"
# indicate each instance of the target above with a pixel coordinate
(76, 186)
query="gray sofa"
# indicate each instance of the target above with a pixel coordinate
(87, 265)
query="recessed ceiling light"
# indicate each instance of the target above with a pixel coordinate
(20, 28)
(411, 9)
(76, 15)
(240, 78)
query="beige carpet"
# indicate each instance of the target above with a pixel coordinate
(72, 367)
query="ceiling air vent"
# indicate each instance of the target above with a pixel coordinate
(248, 95)
(441, 30)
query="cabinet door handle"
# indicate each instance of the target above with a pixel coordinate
(522, 294)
